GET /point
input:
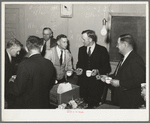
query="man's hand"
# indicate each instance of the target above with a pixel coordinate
(12, 79)
(103, 78)
(79, 71)
(94, 72)
(115, 83)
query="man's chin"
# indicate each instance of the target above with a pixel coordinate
(46, 39)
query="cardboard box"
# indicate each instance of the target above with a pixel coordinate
(57, 99)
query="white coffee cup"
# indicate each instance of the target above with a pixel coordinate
(69, 73)
(108, 79)
(88, 73)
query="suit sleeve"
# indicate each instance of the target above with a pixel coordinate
(105, 67)
(135, 76)
(53, 70)
(48, 54)
(79, 65)
(69, 62)
(19, 85)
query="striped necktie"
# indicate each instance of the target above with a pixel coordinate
(89, 52)
(118, 67)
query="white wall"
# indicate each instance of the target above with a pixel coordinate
(85, 16)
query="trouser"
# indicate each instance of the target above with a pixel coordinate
(10, 100)
(91, 90)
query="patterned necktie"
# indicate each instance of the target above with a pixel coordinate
(89, 52)
(61, 57)
(119, 65)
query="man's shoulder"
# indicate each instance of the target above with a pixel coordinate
(52, 49)
(24, 63)
(68, 52)
(100, 46)
(135, 56)
(53, 39)
(82, 47)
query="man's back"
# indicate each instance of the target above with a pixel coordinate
(33, 83)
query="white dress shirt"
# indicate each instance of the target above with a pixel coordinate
(9, 56)
(125, 56)
(92, 48)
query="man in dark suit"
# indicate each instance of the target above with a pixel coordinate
(128, 76)
(48, 40)
(13, 49)
(95, 58)
(35, 78)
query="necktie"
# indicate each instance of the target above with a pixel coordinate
(89, 51)
(119, 65)
(61, 57)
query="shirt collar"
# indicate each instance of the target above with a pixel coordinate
(92, 47)
(126, 55)
(58, 49)
(46, 41)
(33, 54)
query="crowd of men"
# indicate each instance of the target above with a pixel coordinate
(48, 60)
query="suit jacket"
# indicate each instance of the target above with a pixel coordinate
(60, 69)
(52, 44)
(99, 59)
(131, 74)
(8, 72)
(33, 83)
(90, 88)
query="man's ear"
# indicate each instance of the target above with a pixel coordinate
(26, 49)
(90, 39)
(58, 42)
(126, 44)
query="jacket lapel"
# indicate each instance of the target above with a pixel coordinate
(126, 62)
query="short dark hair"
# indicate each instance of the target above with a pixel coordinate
(48, 29)
(34, 42)
(90, 34)
(128, 38)
(61, 36)
(13, 42)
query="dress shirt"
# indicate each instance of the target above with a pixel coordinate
(59, 53)
(92, 48)
(9, 56)
(125, 56)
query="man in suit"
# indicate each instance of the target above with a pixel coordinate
(128, 76)
(35, 78)
(61, 58)
(95, 58)
(13, 49)
(48, 40)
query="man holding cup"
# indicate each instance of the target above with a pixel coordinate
(61, 58)
(93, 59)
(128, 76)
